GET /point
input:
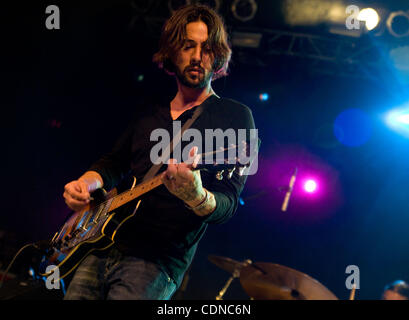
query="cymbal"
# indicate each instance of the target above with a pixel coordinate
(268, 281)
(227, 264)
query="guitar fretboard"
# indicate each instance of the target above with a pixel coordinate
(150, 184)
(134, 193)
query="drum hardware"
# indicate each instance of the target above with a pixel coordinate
(231, 266)
(269, 281)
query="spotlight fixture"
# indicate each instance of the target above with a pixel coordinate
(370, 17)
(398, 120)
(404, 118)
(398, 24)
(244, 10)
(310, 186)
(263, 96)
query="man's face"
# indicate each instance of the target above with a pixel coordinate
(193, 62)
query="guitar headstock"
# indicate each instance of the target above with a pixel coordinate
(227, 161)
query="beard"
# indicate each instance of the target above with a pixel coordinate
(201, 80)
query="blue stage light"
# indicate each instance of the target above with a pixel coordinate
(404, 118)
(241, 201)
(398, 120)
(263, 96)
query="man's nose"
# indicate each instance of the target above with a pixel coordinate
(197, 55)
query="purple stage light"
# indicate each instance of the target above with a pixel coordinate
(309, 202)
(310, 186)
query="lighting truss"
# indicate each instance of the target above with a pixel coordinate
(336, 55)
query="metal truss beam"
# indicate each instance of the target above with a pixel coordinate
(355, 57)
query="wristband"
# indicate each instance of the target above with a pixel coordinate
(201, 204)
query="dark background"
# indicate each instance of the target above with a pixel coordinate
(67, 95)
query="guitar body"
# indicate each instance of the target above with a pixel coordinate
(93, 228)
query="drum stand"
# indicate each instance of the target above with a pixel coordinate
(235, 274)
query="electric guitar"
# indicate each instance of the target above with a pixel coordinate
(94, 227)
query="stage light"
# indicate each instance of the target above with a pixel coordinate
(398, 24)
(370, 17)
(404, 118)
(334, 13)
(244, 10)
(263, 96)
(398, 120)
(395, 118)
(313, 12)
(310, 186)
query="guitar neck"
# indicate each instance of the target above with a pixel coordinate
(146, 186)
(134, 193)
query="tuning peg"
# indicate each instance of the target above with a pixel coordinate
(219, 175)
(241, 171)
(230, 174)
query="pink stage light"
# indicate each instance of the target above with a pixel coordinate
(310, 186)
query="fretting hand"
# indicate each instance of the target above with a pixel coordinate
(184, 183)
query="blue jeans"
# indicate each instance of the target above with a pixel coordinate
(118, 277)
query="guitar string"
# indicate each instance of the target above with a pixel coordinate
(152, 180)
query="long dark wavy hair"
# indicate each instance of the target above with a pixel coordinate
(174, 34)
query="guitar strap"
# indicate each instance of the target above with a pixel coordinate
(155, 168)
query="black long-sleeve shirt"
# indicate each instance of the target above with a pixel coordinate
(163, 229)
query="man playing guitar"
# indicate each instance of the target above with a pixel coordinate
(153, 250)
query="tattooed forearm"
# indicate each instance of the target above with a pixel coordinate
(190, 192)
(186, 184)
(194, 195)
(208, 207)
